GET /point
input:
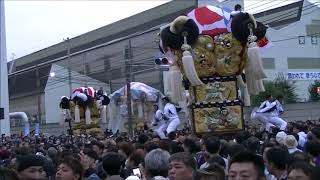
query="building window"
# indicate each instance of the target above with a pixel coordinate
(303, 63)
(268, 63)
(302, 40)
(314, 40)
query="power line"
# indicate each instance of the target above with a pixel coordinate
(296, 37)
(268, 2)
(290, 13)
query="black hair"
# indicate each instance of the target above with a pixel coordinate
(237, 7)
(97, 143)
(217, 160)
(149, 146)
(175, 147)
(74, 164)
(191, 145)
(91, 153)
(112, 163)
(316, 131)
(312, 147)
(268, 96)
(278, 156)
(212, 144)
(8, 174)
(235, 148)
(248, 157)
(297, 157)
(142, 138)
(306, 168)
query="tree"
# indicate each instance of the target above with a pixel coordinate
(279, 86)
(313, 94)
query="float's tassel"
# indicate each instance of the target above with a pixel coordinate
(77, 114)
(104, 114)
(88, 116)
(244, 90)
(176, 85)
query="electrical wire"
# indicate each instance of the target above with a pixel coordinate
(146, 49)
(290, 13)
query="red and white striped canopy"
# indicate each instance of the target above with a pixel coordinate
(90, 91)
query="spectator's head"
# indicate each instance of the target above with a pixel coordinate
(290, 142)
(142, 138)
(297, 157)
(303, 171)
(297, 128)
(276, 159)
(212, 145)
(69, 169)
(213, 172)
(98, 147)
(125, 149)
(246, 165)
(190, 146)
(312, 148)
(30, 167)
(135, 159)
(234, 148)
(52, 152)
(90, 157)
(182, 166)
(172, 135)
(149, 146)
(156, 163)
(253, 144)
(242, 136)
(218, 160)
(8, 174)
(280, 137)
(175, 147)
(314, 134)
(164, 144)
(112, 163)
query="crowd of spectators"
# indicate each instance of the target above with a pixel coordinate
(293, 154)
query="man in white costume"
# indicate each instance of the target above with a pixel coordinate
(262, 117)
(273, 111)
(170, 114)
(159, 123)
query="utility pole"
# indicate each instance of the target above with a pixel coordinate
(128, 65)
(69, 69)
(39, 109)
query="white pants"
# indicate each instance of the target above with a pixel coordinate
(160, 130)
(269, 120)
(173, 125)
(262, 118)
(278, 122)
(168, 127)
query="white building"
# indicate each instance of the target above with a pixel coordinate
(295, 50)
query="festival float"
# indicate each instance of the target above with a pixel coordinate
(217, 53)
(142, 99)
(86, 108)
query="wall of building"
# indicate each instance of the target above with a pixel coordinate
(29, 105)
(285, 47)
(58, 86)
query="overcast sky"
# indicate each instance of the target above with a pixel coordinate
(34, 25)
